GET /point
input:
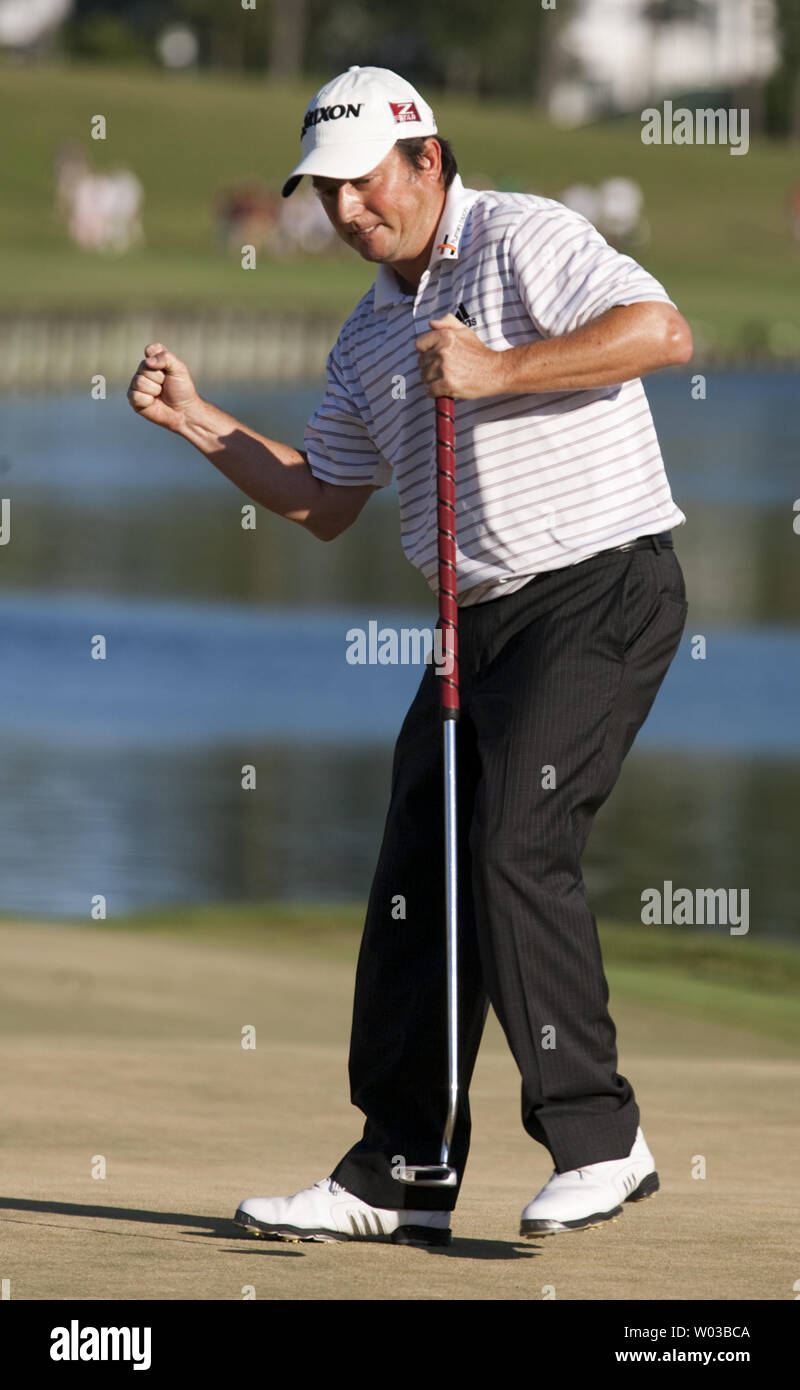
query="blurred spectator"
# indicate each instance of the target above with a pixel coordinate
(178, 46)
(620, 213)
(31, 25)
(582, 198)
(615, 208)
(71, 165)
(102, 211)
(303, 224)
(250, 215)
(246, 215)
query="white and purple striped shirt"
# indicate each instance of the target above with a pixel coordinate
(543, 480)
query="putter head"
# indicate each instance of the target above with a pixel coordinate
(427, 1175)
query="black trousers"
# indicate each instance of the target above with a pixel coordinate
(556, 680)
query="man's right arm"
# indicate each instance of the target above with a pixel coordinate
(275, 475)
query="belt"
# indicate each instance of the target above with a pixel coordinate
(656, 543)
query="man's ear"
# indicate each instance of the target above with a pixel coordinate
(434, 151)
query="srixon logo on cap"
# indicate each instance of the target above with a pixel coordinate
(330, 113)
(404, 110)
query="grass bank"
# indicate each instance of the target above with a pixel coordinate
(738, 981)
(719, 233)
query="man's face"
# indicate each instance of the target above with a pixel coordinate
(389, 214)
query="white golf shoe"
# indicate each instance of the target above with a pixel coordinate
(327, 1211)
(587, 1197)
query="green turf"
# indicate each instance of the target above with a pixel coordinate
(719, 228)
(748, 984)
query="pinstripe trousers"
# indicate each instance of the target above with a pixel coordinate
(556, 680)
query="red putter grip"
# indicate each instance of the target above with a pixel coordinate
(448, 584)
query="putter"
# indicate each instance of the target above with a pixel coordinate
(442, 1174)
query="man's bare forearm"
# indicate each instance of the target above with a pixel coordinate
(275, 475)
(625, 342)
(621, 344)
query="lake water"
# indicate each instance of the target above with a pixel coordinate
(228, 647)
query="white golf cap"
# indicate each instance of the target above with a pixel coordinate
(353, 122)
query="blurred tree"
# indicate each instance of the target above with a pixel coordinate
(782, 93)
(228, 36)
(502, 52)
(118, 33)
(288, 37)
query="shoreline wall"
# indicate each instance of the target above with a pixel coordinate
(64, 352)
(47, 352)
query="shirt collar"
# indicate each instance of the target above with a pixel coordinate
(446, 244)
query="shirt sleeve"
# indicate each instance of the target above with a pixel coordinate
(567, 274)
(336, 440)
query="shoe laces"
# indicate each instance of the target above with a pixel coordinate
(331, 1185)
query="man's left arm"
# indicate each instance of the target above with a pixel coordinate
(624, 342)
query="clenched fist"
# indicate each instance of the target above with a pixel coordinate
(161, 388)
(454, 362)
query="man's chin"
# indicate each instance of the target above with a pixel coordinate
(372, 248)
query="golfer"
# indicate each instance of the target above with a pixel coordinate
(571, 608)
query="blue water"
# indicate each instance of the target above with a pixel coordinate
(227, 648)
(739, 445)
(181, 675)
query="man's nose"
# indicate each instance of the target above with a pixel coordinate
(348, 203)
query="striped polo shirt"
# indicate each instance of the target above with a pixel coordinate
(543, 480)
